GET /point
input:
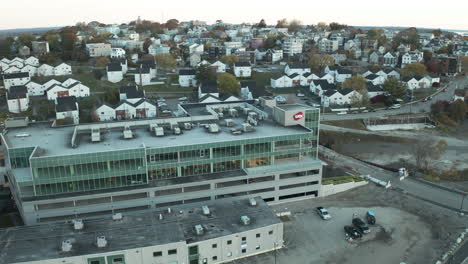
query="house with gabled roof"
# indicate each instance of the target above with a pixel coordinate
(15, 79)
(67, 108)
(17, 99)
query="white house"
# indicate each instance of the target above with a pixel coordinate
(390, 59)
(105, 112)
(187, 78)
(208, 88)
(219, 66)
(15, 79)
(99, 49)
(18, 99)
(296, 68)
(143, 77)
(29, 68)
(374, 90)
(67, 108)
(281, 82)
(376, 79)
(50, 83)
(34, 89)
(114, 73)
(46, 70)
(318, 87)
(62, 69)
(340, 74)
(327, 76)
(117, 53)
(145, 109)
(331, 97)
(418, 82)
(56, 90)
(131, 94)
(274, 55)
(76, 89)
(11, 69)
(125, 110)
(411, 57)
(298, 79)
(242, 69)
(33, 61)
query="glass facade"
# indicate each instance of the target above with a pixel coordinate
(111, 169)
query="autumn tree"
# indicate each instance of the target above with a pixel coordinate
(205, 73)
(408, 36)
(360, 99)
(282, 23)
(172, 24)
(394, 87)
(295, 25)
(165, 61)
(26, 40)
(101, 62)
(322, 25)
(457, 110)
(415, 69)
(337, 26)
(357, 83)
(318, 62)
(228, 84)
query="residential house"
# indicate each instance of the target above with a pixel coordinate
(157, 48)
(34, 89)
(187, 78)
(33, 61)
(117, 53)
(29, 68)
(24, 51)
(411, 57)
(281, 82)
(143, 77)
(249, 90)
(274, 55)
(46, 70)
(15, 79)
(219, 66)
(105, 112)
(340, 74)
(376, 79)
(114, 72)
(11, 69)
(99, 49)
(292, 46)
(76, 89)
(318, 87)
(131, 94)
(62, 69)
(327, 76)
(327, 45)
(375, 57)
(50, 83)
(40, 48)
(67, 108)
(390, 59)
(17, 99)
(242, 69)
(209, 88)
(296, 68)
(374, 90)
(194, 59)
(417, 82)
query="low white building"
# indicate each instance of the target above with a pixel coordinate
(46, 70)
(35, 89)
(62, 69)
(18, 99)
(242, 69)
(99, 49)
(187, 78)
(117, 53)
(296, 68)
(208, 88)
(114, 73)
(67, 108)
(219, 66)
(105, 112)
(76, 89)
(143, 77)
(418, 82)
(281, 82)
(15, 79)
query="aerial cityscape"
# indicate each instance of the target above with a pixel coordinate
(180, 138)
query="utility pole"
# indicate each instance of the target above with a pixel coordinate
(461, 206)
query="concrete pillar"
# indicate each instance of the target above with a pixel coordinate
(272, 150)
(108, 166)
(72, 170)
(179, 171)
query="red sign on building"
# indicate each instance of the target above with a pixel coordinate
(298, 116)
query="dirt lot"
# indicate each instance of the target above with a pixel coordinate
(408, 230)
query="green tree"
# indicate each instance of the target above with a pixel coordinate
(205, 73)
(165, 61)
(408, 36)
(360, 100)
(5, 47)
(337, 26)
(357, 83)
(101, 62)
(318, 62)
(26, 40)
(228, 84)
(394, 87)
(457, 110)
(229, 59)
(415, 69)
(110, 95)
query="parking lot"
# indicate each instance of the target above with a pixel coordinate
(406, 229)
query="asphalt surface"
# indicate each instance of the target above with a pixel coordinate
(415, 107)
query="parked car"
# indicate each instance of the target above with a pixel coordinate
(352, 232)
(361, 226)
(370, 217)
(300, 95)
(183, 99)
(395, 106)
(323, 213)
(342, 113)
(280, 99)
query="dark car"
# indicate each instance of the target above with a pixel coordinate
(352, 232)
(361, 226)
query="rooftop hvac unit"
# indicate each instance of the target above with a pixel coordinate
(152, 126)
(233, 112)
(252, 121)
(177, 130)
(66, 246)
(187, 126)
(95, 135)
(252, 202)
(78, 224)
(127, 133)
(101, 241)
(206, 210)
(117, 216)
(159, 131)
(199, 230)
(230, 122)
(174, 124)
(220, 115)
(245, 220)
(246, 110)
(247, 127)
(213, 128)
(253, 115)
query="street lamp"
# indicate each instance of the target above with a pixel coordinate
(461, 205)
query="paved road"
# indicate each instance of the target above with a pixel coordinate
(416, 107)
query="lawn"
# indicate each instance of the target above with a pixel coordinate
(264, 78)
(167, 88)
(87, 79)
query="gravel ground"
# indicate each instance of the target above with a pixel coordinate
(407, 229)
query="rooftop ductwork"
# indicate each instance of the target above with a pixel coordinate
(101, 241)
(199, 230)
(66, 246)
(245, 220)
(213, 128)
(206, 210)
(78, 224)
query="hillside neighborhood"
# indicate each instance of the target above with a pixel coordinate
(187, 142)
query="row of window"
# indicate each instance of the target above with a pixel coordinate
(169, 252)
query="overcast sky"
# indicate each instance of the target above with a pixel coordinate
(448, 14)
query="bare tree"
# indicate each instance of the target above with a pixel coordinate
(426, 151)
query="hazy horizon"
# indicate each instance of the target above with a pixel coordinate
(54, 13)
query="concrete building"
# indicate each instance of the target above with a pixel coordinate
(292, 47)
(327, 45)
(208, 152)
(99, 49)
(214, 232)
(40, 47)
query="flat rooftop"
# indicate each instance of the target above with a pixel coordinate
(57, 141)
(291, 107)
(42, 242)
